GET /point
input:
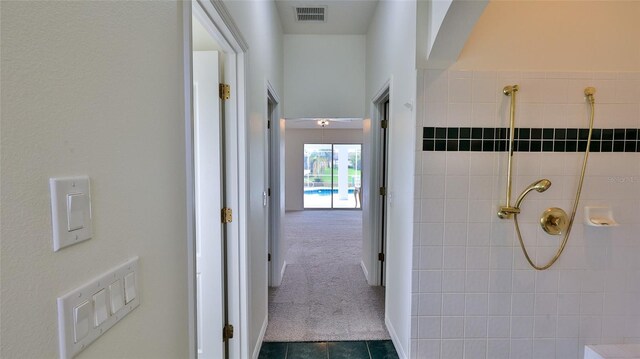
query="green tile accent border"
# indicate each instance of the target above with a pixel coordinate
(489, 139)
(372, 349)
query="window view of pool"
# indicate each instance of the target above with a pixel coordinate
(332, 175)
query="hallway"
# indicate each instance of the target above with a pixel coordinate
(324, 295)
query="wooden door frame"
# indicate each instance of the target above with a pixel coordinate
(375, 205)
(216, 19)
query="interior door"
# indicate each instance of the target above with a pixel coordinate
(208, 191)
(383, 195)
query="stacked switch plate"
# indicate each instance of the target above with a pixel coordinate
(87, 312)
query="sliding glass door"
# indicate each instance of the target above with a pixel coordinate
(332, 175)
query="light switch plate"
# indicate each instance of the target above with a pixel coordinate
(70, 211)
(94, 292)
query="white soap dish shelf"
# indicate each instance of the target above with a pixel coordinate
(599, 217)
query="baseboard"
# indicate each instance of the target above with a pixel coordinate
(395, 340)
(256, 350)
(364, 269)
(284, 268)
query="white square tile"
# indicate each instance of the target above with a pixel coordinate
(454, 257)
(433, 186)
(483, 89)
(521, 349)
(457, 187)
(479, 234)
(521, 327)
(429, 327)
(453, 304)
(477, 281)
(500, 281)
(498, 348)
(455, 234)
(499, 327)
(476, 304)
(568, 326)
(544, 348)
(452, 349)
(459, 115)
(523, 281)
(460, 90)
(476, 349)
(431, 233)
(477, 257)
(545, 326)
(430, 257)
(501, 258)
(452, 327)
(547, 281)
(569, 303)
(566, 348)
(546, 303)
(430, 304)
(522, 303)
(430, 281)
(475, 327)
(428, 348)
(453, 281)
(500, 303)
(456, 210)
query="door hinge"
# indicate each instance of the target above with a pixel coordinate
(269, 257)
(225, 91)
(381, 257)
(384, 123)
(227, 215)
(268, 124)
(383, 191)
(269, 192)
(227, 332)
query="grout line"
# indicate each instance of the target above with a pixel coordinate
(366, 342)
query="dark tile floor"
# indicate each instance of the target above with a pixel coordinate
(373, 349)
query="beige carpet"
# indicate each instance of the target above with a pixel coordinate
(324, 295)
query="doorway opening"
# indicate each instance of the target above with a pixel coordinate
(332, 176)
(324, 294)
(215, 158)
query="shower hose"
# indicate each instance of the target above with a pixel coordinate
(591, 101)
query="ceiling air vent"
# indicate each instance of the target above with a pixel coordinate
(315, 13)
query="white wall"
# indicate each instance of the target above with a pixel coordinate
(94, 88)
(325, 76)
(294, 158)
(474, 294)
(259, 24)
(391, 44)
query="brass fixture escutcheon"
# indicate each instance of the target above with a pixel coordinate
(554, 221)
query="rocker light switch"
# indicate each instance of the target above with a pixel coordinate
(117, 298)
(100, 313)
(129, 287)
(81, 317)
(75, 211)
(70, 211)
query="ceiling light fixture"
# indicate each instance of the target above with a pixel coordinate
(323, 123)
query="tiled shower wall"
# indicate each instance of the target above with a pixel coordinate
(474, 295)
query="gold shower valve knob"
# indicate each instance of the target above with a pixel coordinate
(554, 221)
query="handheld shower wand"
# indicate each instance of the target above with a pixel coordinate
(554, 221)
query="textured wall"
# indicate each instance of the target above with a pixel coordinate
(325, 75)
(93, 88)
(391, 57)
(474, 295)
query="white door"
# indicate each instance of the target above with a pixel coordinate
(208, 190)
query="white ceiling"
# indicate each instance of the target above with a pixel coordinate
(343, 17)
(334, 123)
